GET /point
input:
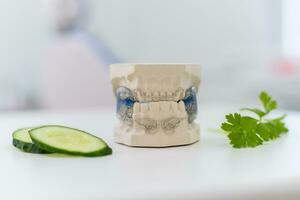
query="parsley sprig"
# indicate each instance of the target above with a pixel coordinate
(246, 131)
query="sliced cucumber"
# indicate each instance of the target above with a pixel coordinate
(22, 140)
(60, 139)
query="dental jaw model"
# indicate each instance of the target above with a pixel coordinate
(156, 104)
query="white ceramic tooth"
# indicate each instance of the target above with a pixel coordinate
(160, 93)
(173, 106)
(136, 107)
(176, 107)
(181, 94)
(171, 110)
(173, 96)
(181, 106)
(144, 107)
(168, 106)
(169, 95)
(145, 96)
(153, 97)
(181, 110)
(176, 94)
(154, 108)
(138, 95)
(162, 106)
(156, 96)
(165, 94)
(148, 107)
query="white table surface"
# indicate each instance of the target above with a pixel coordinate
(209, 169)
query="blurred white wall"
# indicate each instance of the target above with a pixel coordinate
(291, 53)
(206, 31)
(22, 35)
(234, 40)
(291, 28)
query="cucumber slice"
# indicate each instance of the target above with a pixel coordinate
(61, 139)
(22, 140)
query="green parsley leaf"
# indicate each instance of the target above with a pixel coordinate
(233, 120)
(257, 111)
(241, 131)
(279, 125)
(267, 101)
(245, 131)
(267, 131)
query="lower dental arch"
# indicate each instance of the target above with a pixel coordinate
(126, 99)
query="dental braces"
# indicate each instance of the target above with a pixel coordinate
(126, 99)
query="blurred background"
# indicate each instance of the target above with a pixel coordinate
(55, 53)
